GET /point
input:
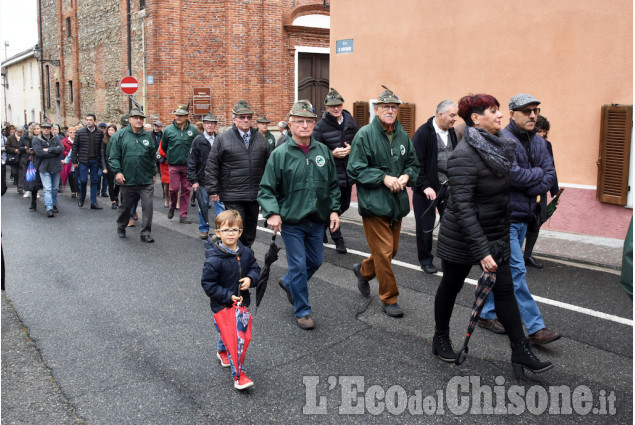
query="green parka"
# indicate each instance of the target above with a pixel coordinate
(176, 143)
(133, 155)
(298, 186)
(373, 157)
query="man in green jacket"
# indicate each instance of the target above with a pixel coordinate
(299, 193)
(382, 163)
(132, 160)
(263, 127)
(176, 143)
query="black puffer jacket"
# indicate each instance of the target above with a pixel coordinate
(334, 135)
(478, 213)
(81, 146)
(234, 172)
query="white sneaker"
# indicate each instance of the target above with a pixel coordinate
(38, 195)
(27, 194)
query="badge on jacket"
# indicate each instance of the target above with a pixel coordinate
(319, 160)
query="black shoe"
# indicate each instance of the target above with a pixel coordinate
(392, 310)
(284, 288)
(113, 206)
(74, 195)
(442, 346)
(326, 238)
(185, 220)
(55, 210)
(80, 203)
(33, 207)
(523, 358)
(95, 206)
(146, 238)
(121, 233)
(170, 213)
(193, 202)
(104, 195)
(429, 268)
(340, 247)
(531, 262)
(59, 190)
(49, 213)
(362, 284)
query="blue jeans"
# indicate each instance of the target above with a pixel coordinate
(104, 181)
(305, 252)
(221, 347)
(50, 182)
(201, 194)
(84, 169)
(529, 311)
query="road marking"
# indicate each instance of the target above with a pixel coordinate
(539, 299)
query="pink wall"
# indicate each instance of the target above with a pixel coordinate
(575, 56)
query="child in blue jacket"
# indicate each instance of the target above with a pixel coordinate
(228, 265)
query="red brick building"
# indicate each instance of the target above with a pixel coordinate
(255, 50)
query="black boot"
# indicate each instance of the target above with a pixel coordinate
(524, 358)
(442, 346)
(33, 206)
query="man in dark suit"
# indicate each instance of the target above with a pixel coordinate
(433, 143)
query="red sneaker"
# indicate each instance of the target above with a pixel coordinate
(223, 357)
(242, 383)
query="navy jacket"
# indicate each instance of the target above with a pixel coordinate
(532, 174)
(223, 269)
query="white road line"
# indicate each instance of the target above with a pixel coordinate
(542, 300)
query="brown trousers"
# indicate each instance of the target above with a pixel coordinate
(383, 242)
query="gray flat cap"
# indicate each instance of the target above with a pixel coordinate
(521, 100)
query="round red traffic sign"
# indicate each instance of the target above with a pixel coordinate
(129, 85)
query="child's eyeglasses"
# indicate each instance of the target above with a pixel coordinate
(229, 231)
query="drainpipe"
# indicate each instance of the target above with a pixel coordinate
(143, 46)
(129, 47)
(39, 22)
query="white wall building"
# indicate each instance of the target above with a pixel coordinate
(21, 96)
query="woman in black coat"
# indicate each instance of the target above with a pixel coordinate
(476, 218)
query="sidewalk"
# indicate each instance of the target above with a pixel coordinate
(582, 249)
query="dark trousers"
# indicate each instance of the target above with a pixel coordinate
(248, 211)
(113, 189)
(454, 275)
(533, 229)
(345, 203)
(128, 195)
(425, 216)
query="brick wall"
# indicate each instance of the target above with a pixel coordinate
(241, 49)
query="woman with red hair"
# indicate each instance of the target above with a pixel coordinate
(476, 220)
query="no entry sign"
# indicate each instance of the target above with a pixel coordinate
(129, 85)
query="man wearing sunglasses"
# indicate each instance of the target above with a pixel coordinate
(234, 168)
(532, 174)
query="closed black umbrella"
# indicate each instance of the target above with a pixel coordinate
(483, 289)
(270, 257)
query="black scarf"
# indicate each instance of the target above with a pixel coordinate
(497, 151)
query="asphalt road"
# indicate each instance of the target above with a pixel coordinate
(125, 332)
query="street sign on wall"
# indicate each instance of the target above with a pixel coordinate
(202, 100)
(129, 85)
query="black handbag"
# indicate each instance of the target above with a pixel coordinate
(12, 159)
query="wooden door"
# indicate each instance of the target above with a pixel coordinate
(313, 79)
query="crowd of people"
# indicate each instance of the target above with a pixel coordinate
(487, 183)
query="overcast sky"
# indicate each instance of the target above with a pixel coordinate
(18, 26)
